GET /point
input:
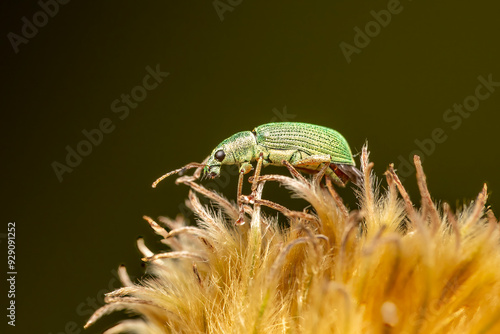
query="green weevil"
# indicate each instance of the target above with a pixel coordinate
(299, 146)
(307, 147)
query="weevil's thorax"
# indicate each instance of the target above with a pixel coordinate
(239, 148)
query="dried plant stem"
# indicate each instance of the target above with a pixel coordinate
(424, 193)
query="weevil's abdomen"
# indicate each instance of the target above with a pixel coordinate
(308, 138)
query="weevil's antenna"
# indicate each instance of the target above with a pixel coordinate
(180, 170)
(164, 176)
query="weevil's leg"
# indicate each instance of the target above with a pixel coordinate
(337, 176)
(314, 162)
(241, 215)
(244, 169)
(255, 180)
(293, 171)
(285, 211)
(180, 170)
(336, 197)
(319, 176)
(311, 163)
(257, 173)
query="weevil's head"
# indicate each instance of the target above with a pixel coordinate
(236, 149)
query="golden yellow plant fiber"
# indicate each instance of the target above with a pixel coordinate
(388, 267)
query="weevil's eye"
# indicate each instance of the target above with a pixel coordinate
(220, 155)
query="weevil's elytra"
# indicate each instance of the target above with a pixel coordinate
(307, 147)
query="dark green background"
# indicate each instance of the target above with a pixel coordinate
(225, 76)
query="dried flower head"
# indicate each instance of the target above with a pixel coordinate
(388, 267)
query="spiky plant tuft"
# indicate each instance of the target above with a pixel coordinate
(385, 268)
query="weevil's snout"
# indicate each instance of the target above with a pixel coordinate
(212, 171)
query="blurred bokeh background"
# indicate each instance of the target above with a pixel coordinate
(387, 72)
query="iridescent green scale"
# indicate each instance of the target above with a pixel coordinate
(308, 138)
